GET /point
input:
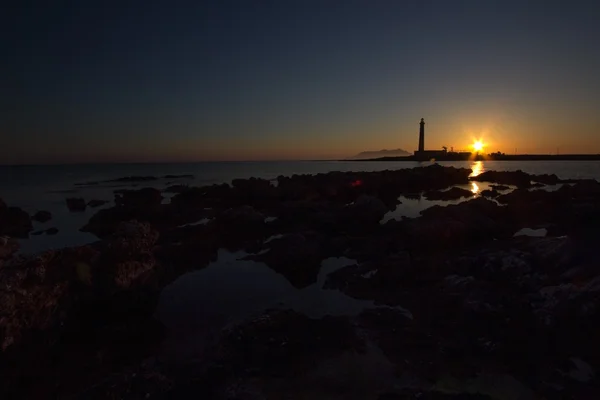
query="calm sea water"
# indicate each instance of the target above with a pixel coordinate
(45, 187)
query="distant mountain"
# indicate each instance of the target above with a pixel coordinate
(381, 153)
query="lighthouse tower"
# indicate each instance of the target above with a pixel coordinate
(422, 136)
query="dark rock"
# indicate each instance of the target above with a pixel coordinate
(176, 189)
(51, 231)
(546, 179)
(490, 193)
(132, 179)
(215, 196)
(297, 257)
(96, 203)
(585, 188)
(516, 178)
(91, 183)
(526, 208)
(285, 343)
(76, 204)
(42, 216)
(185, 176)
(146, 199)
(462, 224)
(259, 193)
(8, 247)
(454, 193)
(242, 216)
(37, 233)
(500, 188)
(366, 210)
(379, 280)
(14, 222)
(413, 196)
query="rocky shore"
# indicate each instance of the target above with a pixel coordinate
(491, 315)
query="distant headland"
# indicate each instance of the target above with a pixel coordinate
(381, 153)
(444, 155)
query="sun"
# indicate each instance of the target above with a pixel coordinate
(478, 145)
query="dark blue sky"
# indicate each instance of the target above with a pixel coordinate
(191, 80)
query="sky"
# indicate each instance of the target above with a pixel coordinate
(145, 81)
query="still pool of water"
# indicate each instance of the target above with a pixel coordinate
(197, 305)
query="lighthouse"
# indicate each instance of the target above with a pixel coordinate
(422, 136)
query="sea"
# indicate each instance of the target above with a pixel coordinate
(45, 187)
(197, 306)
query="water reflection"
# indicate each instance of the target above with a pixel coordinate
(474, 188)
(477, 168)
(199, 304)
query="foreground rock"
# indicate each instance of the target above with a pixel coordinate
(8, 247)
(76, 204)
(96, 203)
(454, 193)
(42, 216)
(516, 178)
(454, 291)
(297, 256)
(14, 221)
(104, 294)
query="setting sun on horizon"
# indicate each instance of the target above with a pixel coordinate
(478, 145)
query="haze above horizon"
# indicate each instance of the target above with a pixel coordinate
(157, 81)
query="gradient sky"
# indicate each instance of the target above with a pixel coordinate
(103, 80)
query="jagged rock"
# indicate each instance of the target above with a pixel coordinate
(49, 231)
(242, 216)
(258, 193)
(458, 282)
(454, 193)
(490, 193)
(184, 176)
(42, 216)
(96, 203)
(516, 178)
(286, 343)
(105, 293)
(367, 210)
(500, 188)
(585, 188)
(176, 189)
(547, 179)
(131, 238)
(146, 199)
(296, 256)
(8, 247)
(217, 196)
(132, 179)
(76, 204)
(458, 225)
(14, 222)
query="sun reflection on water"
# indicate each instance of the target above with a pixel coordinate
(477, 168)
(474, 187)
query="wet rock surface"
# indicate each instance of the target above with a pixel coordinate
(76, 204)
(461, 307)
(14, 221)
(42, 216)
(453, 194)
(96, 203)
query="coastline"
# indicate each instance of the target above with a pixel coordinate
(458, 270)
(492, 157)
